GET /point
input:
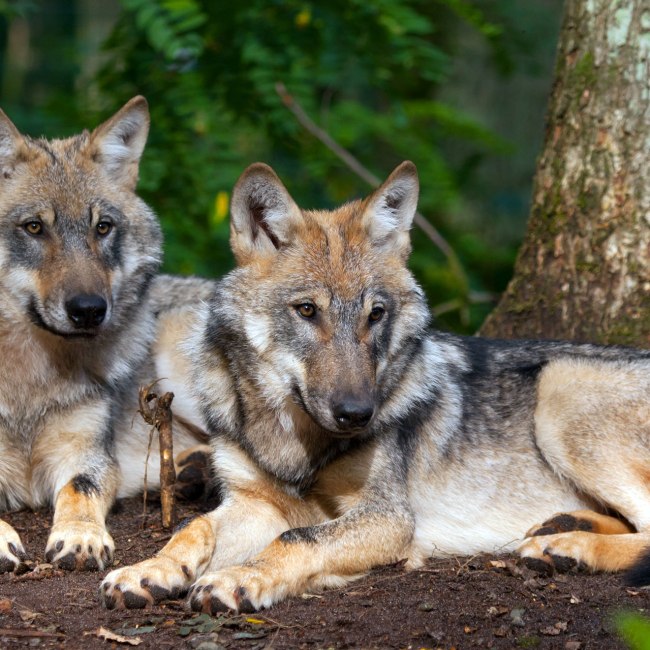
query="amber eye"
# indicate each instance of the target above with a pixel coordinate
(376, 314)
(306, 310)
(33, 227)
(104, 227)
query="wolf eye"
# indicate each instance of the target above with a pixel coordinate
(33, 227)
(103, 228)
(376, 314)
(306, 310)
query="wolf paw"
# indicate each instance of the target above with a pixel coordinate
(562, 552)
(560, 523)
(12, 553)
(193, 475)
(242, 589)
(145, 583)
(79, 545)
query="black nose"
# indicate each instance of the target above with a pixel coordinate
(86, 310)
(352, 413)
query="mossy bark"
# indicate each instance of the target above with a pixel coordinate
(583, 271)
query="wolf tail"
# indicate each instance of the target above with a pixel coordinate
(639, 573)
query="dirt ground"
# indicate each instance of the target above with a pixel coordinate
(479, 602)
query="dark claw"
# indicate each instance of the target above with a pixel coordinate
(67, 562)
(537, 565)
(91, 564)
(109, 601)
(544, 530)
(563, 564)
(159, 593)
(134, 601)
(216, 606)
(246, 607)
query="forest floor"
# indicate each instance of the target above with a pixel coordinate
(478, 602)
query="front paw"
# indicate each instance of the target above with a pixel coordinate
(12, 553)
(145, 583)
(242, 589)
(79, 545)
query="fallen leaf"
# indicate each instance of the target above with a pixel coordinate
(574, 600)
(27, 616)
(551, 630)
(497, 611)
(573, 645)
(498, 564)
(255, 621)
(469, 630)
(5, 605)
(107, 635)
(561, 625)
(308, 596)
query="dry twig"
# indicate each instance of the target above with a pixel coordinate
(363, 172)
(157, 412)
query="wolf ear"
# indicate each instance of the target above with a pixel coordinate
(390, 209)
(10, 145)
(263, 215)
(117, 144)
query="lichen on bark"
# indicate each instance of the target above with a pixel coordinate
(583, 271)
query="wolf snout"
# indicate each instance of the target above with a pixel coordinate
(352, 413)
(86, 311)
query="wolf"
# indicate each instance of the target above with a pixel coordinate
(349, 433)
(83, 319)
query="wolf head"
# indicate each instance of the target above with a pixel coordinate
(77, 246)
(324, 298)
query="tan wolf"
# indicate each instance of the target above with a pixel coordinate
(347, 433)
(78, 254)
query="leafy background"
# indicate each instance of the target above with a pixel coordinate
(457, 86)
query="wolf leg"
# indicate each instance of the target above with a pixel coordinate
(313, 557)
(12, 553)
(79, 539)
(232, 533)
(71, 461)
(592, 427)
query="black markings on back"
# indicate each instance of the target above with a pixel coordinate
(308, 535)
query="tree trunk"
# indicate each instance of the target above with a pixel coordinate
(583, 271)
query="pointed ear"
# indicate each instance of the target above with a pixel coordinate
(390, 209)
(263, 216)
(117, 144)
(11, 145)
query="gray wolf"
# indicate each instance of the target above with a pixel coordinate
(80, 310)
(348, 433)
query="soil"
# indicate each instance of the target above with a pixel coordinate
(478, 602)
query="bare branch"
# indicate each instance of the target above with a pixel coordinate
(429, 230)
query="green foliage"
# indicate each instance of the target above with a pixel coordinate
(635, 629)
(369, 73)
(365, 72)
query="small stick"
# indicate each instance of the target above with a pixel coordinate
(159, 415)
